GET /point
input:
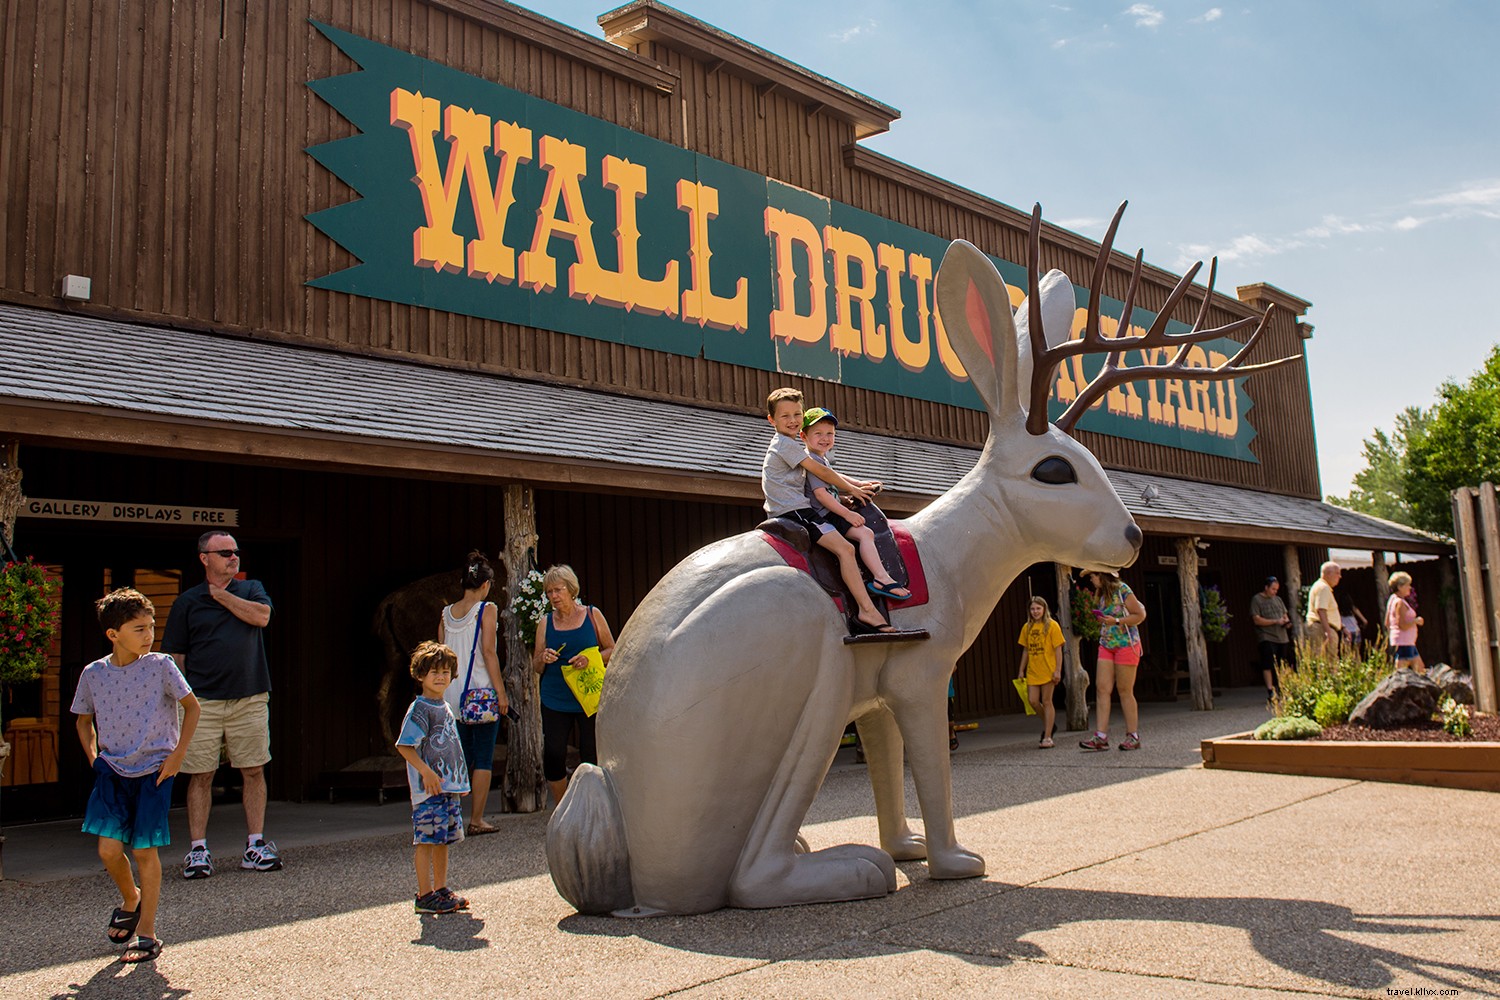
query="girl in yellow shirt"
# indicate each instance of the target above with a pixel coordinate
(1041, 665)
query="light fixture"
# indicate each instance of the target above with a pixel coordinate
(1149, 493)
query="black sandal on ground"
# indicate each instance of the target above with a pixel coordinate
(122, 924)
(145, 949)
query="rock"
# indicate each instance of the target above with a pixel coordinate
(1401, 699)
(1454, 683)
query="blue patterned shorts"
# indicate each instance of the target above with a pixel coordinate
(438, 820)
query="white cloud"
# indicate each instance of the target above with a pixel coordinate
(851, 33)
(1080, 225)
(1477, 199)
(1209, 16)
(1146, 16)
(1475, 194)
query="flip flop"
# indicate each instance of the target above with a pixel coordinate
(857, 627)
(146, 949)
(124, 921)
(479, 831)
(888, 590)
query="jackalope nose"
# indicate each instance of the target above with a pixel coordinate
(1133, 535)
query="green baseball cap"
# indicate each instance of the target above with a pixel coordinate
(816, 414)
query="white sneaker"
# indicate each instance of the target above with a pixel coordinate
(198, 863)
(261, 857)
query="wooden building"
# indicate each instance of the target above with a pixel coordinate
(334, 274)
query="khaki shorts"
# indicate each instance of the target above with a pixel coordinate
(241, 724)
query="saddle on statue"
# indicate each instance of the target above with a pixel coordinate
(796, 546)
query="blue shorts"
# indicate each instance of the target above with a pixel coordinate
(1407, 653)
(130, 810)
(478, 743)
(437, 820)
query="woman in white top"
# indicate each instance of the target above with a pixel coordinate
(468, 628)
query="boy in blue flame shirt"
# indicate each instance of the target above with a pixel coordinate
(437, 775)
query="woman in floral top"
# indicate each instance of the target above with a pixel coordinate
(1119, 612)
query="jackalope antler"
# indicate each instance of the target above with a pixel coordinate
(1093, 340)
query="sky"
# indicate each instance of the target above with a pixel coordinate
(1345, 151)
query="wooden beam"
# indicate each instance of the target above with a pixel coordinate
(1192, 624)
(10, 487)
(1382, 581)
(1488, 530)
(1476, 606)
(522, 788)
(1073, 673)
(1292, 576)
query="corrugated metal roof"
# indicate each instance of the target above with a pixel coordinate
(74, 359)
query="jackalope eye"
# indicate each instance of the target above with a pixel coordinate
(1054, 471)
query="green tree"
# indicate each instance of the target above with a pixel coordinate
(1460, 448)
(1380, 488)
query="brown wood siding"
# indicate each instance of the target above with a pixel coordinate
(159, 149)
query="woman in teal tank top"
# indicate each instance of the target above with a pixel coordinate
(570, 629)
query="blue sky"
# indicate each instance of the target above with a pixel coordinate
(1347, 151)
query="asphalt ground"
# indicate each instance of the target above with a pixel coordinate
(1110, 874)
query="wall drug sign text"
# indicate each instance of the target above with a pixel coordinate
(482, 200)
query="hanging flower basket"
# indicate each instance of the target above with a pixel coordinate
(28, 620)
(528, 606)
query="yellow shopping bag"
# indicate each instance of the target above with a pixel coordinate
(586, 682)
(1020, 683)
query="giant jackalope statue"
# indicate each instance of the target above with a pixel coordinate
(731, 683)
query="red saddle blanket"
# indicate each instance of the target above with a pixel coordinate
(917, 578)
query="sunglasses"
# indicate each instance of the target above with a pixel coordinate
(225, 553)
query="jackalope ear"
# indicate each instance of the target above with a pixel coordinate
(1059, 303)
(975, 311)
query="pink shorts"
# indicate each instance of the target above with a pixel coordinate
(1128, 656)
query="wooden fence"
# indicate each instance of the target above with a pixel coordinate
(1476, 522)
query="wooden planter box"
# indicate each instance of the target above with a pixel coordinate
(1474, 765)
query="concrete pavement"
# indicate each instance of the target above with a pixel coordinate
(1110, 874)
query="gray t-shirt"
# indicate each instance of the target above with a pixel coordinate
(134, 709)
(1269, 607)
(813, 484)
(782, 476)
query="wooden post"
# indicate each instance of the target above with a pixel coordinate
(10, 488)
(523, 789)
(1488, 530)
(1382, 582)
(1452, 611)
(1192, 624)
(1073, 673)
(10, 507)
(1476, 604)
(1292, 592)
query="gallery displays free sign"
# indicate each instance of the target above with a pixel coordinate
(481, 200)
(139, 513)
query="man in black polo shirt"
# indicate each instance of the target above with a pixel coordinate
(216, 633)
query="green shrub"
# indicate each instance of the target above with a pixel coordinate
(1455, 717)
(1332, 708)
(1293, 727)
(1317, 674)
(1214, 614)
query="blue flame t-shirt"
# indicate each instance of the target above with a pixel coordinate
(429, 726)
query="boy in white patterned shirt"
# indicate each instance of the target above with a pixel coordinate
(127, 722)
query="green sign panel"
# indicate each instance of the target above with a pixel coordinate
(478, 199)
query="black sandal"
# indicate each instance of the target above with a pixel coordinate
(146, 949)
(124, 921)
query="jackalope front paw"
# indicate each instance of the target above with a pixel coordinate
(959, 862)
(907, 847)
